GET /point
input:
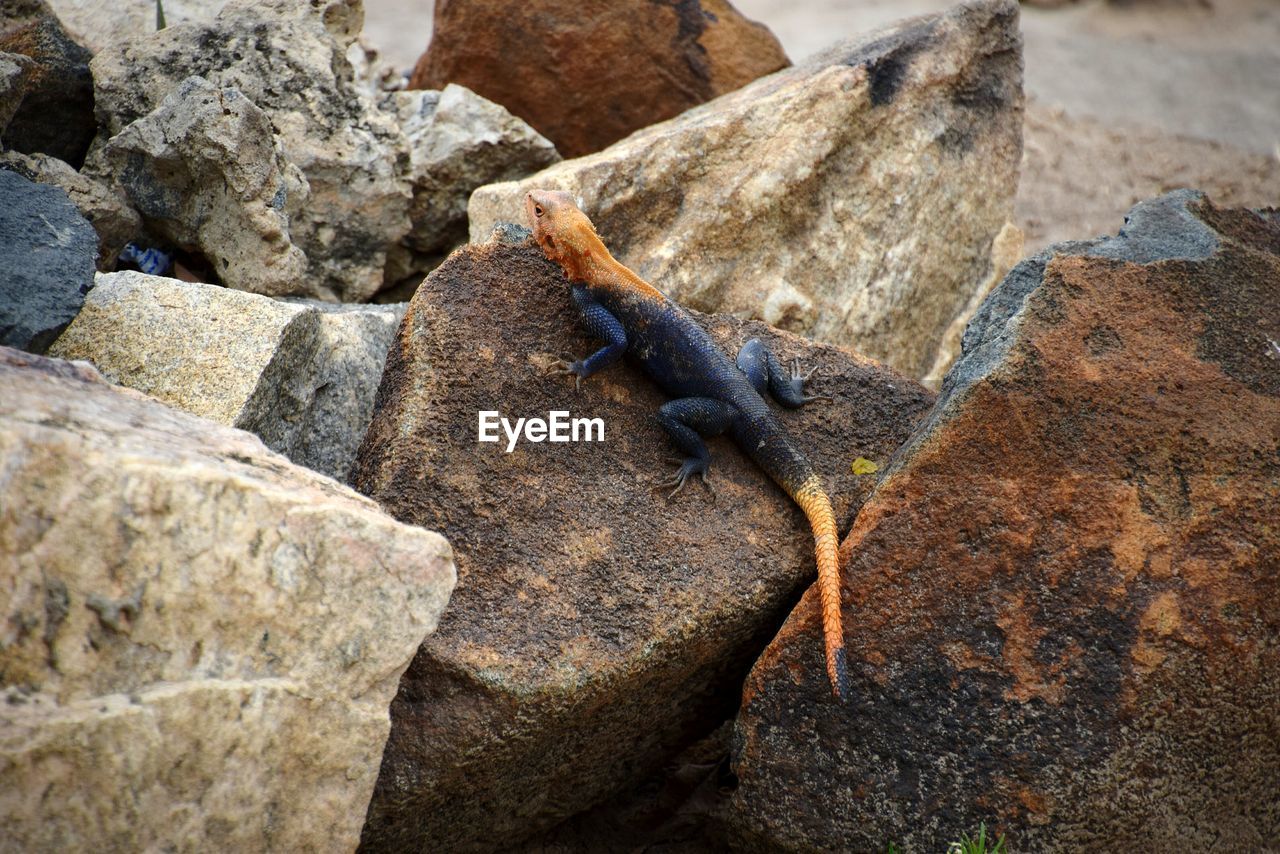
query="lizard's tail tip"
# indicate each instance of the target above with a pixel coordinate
(838, 673)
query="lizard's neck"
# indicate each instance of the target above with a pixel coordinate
(587, 260)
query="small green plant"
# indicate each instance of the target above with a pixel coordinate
(159, 15)
(977, 844)
(892, 849)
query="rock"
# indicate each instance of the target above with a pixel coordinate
(55, 115)
(110, 214)
(302, 378)
(597, 627)
(289, 59)
(206, 173)
(47, 252)
(586, 74)
(459, 141)
(853, 199)
(101, 24)
(1061, 600)
(15, 78)
(353, 341)
(200, 639)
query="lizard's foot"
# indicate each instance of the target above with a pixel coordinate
(566, 367)
(688, 468)
(799, 378)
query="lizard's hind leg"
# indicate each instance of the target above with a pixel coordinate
(766, 373)
(687, 420)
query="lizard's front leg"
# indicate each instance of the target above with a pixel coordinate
(687, 420)
(766, 373)
(601, 323)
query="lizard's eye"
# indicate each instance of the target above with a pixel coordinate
(537, 210)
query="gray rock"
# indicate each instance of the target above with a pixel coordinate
(289, 59)
(206, 173)
(47, 252)
(107, 210)
(853, 198)
(301, 377)
(55, 115)
(202, 639)
(459, 141)
(353, 345)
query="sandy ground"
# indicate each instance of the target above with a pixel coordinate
(1125, 100)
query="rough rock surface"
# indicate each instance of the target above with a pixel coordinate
(110, 214)
(597, 626)
(47, 252)
(199, 640)
(589, 73)
(1062, 601)
(289, 59)
(301, 377)
(15, 77)
(853, 199)
(458, 141)
(206, 173)
(55, 115)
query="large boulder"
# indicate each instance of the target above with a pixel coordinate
(289, 60)
(854, 198)
(300, 375)
(1062, 603)
(458, 141)
(199, 639)
(107, 210)
(55, 115)
(47, 253)
(207, 174)
(597, 627)
(586, 74)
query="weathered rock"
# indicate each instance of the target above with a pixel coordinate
(853, 199)
(200, 640)
(586, 74)
(55, 115)
(597, 627)
(1062, 604)
(303, 379)
(289, 59)
(206, 173)
(100, 24)
(15, 77)
(352, 345)
(459, 141)
(110, 214)
(47, 252)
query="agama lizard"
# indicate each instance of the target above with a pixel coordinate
(711, 394)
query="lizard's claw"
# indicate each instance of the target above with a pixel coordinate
(566, 367)
(798, 379)
(688, 468)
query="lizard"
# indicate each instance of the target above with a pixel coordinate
(710, 394)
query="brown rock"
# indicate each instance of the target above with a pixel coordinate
(55, 116)
(1062, 600)
(585, 74)
(597, 627)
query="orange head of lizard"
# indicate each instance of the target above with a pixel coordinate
(563, 231)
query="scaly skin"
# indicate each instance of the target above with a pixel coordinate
(712, 395)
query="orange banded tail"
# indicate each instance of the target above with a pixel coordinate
(813, 499)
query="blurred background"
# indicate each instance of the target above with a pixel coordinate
(1125, 99)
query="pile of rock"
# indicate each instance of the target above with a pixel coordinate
(1059, 584)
